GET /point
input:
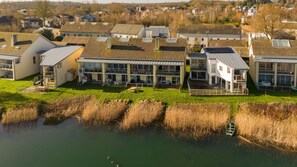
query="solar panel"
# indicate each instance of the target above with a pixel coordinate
(147, 40)
(219, 50)
(102, 39)
(171, 40)
(281, 43)
(124, 39)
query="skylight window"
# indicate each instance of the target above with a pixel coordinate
(147, 40)
(102, 39)
(171, 40)
(281, 43)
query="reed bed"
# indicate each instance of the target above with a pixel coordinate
(98, 113)
(197, 120)
(269, 123)
(59, 110)
(142, 114)
(21, 114)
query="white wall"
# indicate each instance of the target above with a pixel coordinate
(26, 67)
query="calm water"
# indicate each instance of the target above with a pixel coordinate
(70, 144)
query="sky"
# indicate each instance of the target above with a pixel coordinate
(110, 1)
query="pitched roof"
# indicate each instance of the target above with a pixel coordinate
(55, 55)
(240, 46)
(70, 40)
(130, 29)
(231, 59)
(135, 49)
(264, 47)
(87, 27)
(210, 29)
(24, 40)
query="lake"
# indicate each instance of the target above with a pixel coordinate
(71, 144)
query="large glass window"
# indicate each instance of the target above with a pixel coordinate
(175, 80)
(284, 80)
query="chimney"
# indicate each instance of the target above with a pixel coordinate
(108, 43)
(157, 44)
(14, 39)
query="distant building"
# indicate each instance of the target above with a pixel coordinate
(84, 18)
(252, 11)
(75, 40)
(87, 29)
(273, 63)
(31, 22)
(6, 20)
(202, 34)
(157, 31)
(128, 31)
(19, 54)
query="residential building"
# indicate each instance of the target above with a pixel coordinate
(19, 54)
(6, 20)
(157, 31)
(87, 29)
(148, 61)
(31, 22)
(75, 40)
(84, 18)
(273, 63)
(218, 68)
(128, 31)
(202, 34)
(240, 46)
(252, 11)
(59, 65)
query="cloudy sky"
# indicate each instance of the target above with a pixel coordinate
(110, 1)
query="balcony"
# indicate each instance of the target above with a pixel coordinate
(142, 72)
(266, 70)
(5, 66)
(290, 72)
(159, 72)
(239, 78)
(117, 70)
(49, 74)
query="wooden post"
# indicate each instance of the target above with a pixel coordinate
(155, 75)
(103, 74)
(295, 75)
(275, 74)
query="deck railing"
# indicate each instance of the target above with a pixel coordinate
(5, 66)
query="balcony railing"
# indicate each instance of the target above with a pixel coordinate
(199, 68)
(142, 71)
(285, 72)
(117, 70)
(238, 78)
(168, 72)
(5, 66)
(267, 70)
(93, 69)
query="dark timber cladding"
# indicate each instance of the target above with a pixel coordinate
(136, 49)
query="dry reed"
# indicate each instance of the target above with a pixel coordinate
(197, 120)
(21, 114)
(142, 114)
(103, 112)
(273, 123)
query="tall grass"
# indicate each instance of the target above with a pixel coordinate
(96, 113)
(274, 123)
(142, 114)
(21, 114)
(197, 120)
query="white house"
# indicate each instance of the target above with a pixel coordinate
(219, 66)
(252, 11)
(19, 54)
(157, 31)
(128, 31)
(59, 65)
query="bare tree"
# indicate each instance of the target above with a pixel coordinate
(43, 9)
(268, 19)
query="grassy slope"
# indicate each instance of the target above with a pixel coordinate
(9, 96)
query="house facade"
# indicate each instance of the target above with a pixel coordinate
(201, 35)
(128, 31)
(59, 65)
(221, 67)
(273, 63)
(19, 54)
(31, 22)
(86, 29)
(123, 61)
(157, 31)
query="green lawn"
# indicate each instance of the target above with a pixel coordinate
(10, 96)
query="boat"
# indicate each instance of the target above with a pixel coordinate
(231, 128)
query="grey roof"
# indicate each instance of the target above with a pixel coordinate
(5, 57)
(157, 30)
(55, 55)
(279, 60)
(196, 55)
(232, 60)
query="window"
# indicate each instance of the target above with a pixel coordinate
(213, 68)
(228, 69)
(202, 39)
(34, 60)
(220, 68)
(175, 80)
(59, 65)
(124, 78)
